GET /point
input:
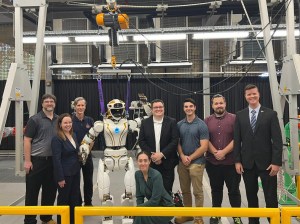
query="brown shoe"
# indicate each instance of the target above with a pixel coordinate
(49, 222)
(198, 221)
(183, 219)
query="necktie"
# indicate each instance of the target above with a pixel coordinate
(253, 120)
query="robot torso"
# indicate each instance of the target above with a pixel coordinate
(115, 132)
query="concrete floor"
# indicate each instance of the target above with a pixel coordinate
(13, 191)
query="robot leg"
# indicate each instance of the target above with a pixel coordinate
(128, 197)
(103, 184)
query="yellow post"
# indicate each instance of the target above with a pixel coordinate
(287, 213)
(272, 213)
(64, 211)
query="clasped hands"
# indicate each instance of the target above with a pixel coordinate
(156, 157)
(219, 155)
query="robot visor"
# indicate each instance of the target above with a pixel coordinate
(118, 106)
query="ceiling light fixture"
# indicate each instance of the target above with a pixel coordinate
(246, 62)
(70, 66)
(97, 38)
(58, 39)
(154, 37)
(169, 64)
(278, 33)
(221, 35)
(125, 65)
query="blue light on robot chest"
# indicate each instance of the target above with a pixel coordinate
(117, 130)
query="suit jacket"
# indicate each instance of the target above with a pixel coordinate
(168, 140)
(65, 158)
(261, 147)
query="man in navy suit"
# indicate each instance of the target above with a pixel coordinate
(258, 149)
(159, 136)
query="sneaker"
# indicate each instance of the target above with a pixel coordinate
(183, 219)
(198, 221)
(49, 222)
(237, 220)
(214, 220)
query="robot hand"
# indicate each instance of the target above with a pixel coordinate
(84, 151)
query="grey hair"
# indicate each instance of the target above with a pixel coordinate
(75, 102)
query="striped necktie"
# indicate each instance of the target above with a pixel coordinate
(253, 120)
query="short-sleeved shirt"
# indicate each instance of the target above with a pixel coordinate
(190, 136)
(41, 129)
(220, 135)
(81, 127)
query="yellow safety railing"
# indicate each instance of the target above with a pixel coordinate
(288, 212)
(272, 213)
(64, 211)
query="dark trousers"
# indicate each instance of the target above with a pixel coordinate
(168, 176)
(269, 184)
(87, 173)
(41, 176)
(69, 195)
(218, 174)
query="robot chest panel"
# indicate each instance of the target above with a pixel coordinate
(115, 133)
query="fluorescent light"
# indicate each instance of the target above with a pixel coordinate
(70, 66)
(169, 64)
(56, 39)
(32, 40)
(265, 74)
(154, 37)
(97, 38)
(29, 40)
(278, 33)
(113, 71)
(246, 62)
(126, 65)
(221, 35)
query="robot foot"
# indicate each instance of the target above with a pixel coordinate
(127, 220)
(107, 220)
(126, 201)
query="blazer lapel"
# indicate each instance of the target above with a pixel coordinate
(246, 114)
(163, 127)
(152, 129)
(259, 118)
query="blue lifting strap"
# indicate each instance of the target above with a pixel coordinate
(101, 99)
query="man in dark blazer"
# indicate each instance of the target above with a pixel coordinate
(258, 149)
(159, 136)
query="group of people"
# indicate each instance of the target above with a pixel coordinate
(51, 146)
(227, 145)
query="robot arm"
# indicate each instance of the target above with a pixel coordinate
(134, 125)
(89, 138)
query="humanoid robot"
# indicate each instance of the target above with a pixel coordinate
(115, 127)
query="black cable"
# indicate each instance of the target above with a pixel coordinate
(200, 92)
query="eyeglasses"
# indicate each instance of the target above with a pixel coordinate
(157, 108)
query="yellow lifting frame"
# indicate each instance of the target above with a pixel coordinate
(64, 211)
(272, 213)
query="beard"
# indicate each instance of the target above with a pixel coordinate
(49, 109)
(219, 111)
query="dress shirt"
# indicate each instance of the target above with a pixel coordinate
(256, 110)
(157, 132)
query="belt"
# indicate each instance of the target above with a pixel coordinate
(41, 157)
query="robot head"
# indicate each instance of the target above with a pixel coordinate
(116, 109)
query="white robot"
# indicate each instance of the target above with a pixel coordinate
(115, 127)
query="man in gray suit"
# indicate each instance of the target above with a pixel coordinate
(258, 149)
